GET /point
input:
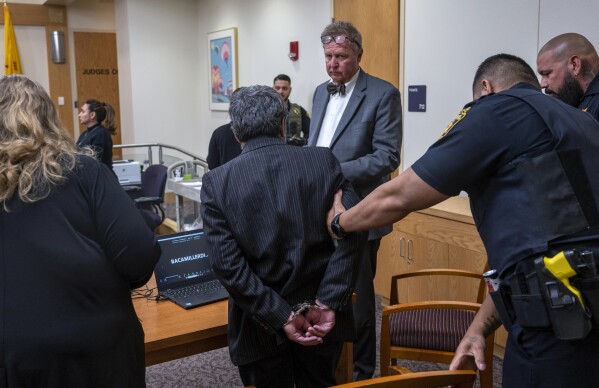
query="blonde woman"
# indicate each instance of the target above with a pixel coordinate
(72, 246)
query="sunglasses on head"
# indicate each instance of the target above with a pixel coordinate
(339, 39)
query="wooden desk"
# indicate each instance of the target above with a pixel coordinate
(172, 332)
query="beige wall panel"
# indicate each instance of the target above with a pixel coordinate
(378, 21)
(53, 18)
(97, 72)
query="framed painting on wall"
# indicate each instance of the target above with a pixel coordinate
(222, 46)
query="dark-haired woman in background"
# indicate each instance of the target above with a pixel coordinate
(72, 246)
(98, 117)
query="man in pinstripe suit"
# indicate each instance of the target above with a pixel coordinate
(263, 214)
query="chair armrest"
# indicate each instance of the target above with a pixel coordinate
(148, 200)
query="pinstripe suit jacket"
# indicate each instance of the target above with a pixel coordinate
(264, 214)
(367, 140)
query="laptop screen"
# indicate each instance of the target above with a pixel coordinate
(184, 260)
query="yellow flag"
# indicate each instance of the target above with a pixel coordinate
(12, 63)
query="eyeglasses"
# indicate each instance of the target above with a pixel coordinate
(339, 39)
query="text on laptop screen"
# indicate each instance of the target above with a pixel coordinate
(184, 259)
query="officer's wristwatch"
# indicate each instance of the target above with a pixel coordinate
(336, 228)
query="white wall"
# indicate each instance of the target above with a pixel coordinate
(163, 71)
(159, 71)
(31, 43)
(265, 28)
(446, 40)
(558, 17)
(86, 16)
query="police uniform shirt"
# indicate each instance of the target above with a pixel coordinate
(590, 101)
(478, 153)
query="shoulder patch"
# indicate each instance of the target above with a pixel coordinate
(453, 122)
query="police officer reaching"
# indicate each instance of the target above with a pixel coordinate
(298, 121)
(526, 161)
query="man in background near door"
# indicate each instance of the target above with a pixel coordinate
(222, 147)
(569, 69)
(298, 121)
(358, 117)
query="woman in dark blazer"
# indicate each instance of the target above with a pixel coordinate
(98, 117)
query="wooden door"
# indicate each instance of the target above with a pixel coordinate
(97, 73)
(378, 22)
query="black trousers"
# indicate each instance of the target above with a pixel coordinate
(535, 358)
(365, 315)
(296, 366)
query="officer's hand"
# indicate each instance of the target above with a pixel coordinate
(336, 208)
(322, 320)
(470, 354)
(297, 331)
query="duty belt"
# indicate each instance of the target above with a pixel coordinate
(561, 292)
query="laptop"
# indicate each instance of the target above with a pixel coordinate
(184, 274)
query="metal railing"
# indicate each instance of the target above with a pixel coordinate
(160, 147)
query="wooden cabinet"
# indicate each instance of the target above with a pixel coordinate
(443, 236)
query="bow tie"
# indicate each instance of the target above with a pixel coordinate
(333, 89)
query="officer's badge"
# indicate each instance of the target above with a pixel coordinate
(296, 111)
(585, 109)
(455, 121)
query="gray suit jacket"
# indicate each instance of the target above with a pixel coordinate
(264, 214)
(367, 141)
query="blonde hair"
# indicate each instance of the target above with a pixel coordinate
(36, 152)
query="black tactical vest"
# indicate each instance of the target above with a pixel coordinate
(546, 198)
(294, 133)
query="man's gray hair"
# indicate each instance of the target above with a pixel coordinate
(347, 29)
(255, 111)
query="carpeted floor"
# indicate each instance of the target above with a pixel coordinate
(214, 369)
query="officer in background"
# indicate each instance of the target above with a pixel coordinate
(298, 121)
(527, 162)
(569, 69)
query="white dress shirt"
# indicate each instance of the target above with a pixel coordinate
(335, 109)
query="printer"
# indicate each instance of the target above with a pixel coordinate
(128, 172)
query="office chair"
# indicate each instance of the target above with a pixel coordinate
(153, 183)
(429, 330)
(432, 379)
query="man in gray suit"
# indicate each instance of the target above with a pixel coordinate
(290, 287)
(358, 117)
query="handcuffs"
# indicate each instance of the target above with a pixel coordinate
(299, 308)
